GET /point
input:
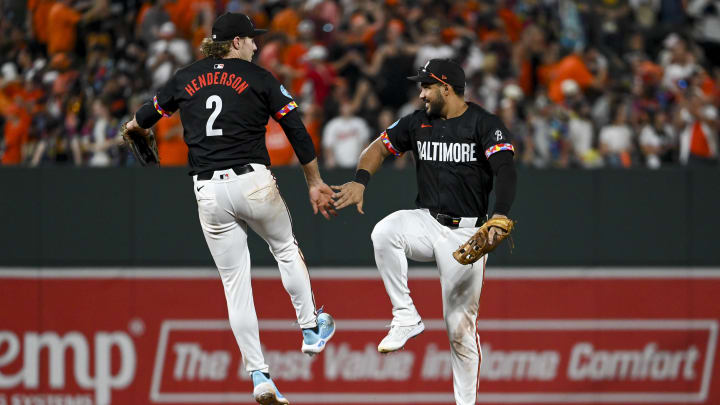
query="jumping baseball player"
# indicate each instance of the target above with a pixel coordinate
(225, 101)
(458, 148)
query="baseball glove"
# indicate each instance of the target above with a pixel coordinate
(479, 245)
(142, 144)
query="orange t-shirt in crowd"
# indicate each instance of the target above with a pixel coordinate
(286, 21)
(8, 94)
(141, 14)
(569, 67)
(292, 56)
(183, 12)
(279, 148)
(172, 151)
(513, 24)
(699, 145)
(313, 128)
(40, 10)
(17, 132)
(61, 28)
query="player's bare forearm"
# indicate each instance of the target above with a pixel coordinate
(353, 192)
(372, 157)
(312, 172)
(320, 193)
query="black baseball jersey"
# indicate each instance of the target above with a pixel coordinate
(224, 107)
(454, 176)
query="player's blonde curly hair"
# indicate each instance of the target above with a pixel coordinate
(215, 49)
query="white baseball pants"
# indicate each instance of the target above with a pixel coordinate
(415, 234)
(227, 204)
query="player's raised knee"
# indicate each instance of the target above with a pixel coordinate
(385, 232)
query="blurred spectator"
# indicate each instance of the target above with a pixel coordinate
(150, 18)
(62, 23)
(581, 135)
(103, 140)
(706, 28)
(391, 64)
(16, 132)
(287, 20)
(172, 149)
(433, 47)
(167, 54)
(293, 57)
(38, 12)
(270, 55)
(678, 61)
(279, 148)
(485, 85)
(385, 119)
(10, 86)
(555, 70)
(658, 141)
(344, 138)
(312, 118)
(185, 14)
(537, 142)
(320, 75)
(616, 139)
(571, 67)
(698, 141)
(516, 125)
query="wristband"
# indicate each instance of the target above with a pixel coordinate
(362, 176)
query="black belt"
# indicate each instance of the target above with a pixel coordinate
(453, 222)
(239, 170)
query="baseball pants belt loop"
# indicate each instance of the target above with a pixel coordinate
(239, 170)
(457, 222)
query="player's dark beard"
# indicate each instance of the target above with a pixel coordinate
(435, 107)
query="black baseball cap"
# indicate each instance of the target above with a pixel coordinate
(231, 25)
(441, 71)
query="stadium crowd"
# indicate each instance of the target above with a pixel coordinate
(580, 83)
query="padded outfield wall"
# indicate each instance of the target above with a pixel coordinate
(148, 217)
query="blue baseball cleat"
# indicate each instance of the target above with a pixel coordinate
(314, 342)
(265, 391)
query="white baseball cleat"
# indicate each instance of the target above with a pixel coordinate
(265, 391)
(398, 336)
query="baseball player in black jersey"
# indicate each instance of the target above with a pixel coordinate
(458, 148)
(225, 101)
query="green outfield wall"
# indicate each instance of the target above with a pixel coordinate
(148, 217)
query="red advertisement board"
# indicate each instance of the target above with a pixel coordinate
(577, 336)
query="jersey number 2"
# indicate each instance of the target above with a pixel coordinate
(215, 102)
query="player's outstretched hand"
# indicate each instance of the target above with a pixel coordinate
(321, 199)
(348, 194)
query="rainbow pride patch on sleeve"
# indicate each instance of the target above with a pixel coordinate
(285, 110)
(497, 148)
(159, 109)
(388, 145)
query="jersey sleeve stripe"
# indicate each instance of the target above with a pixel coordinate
(388, 145)
(497, 148)
(285, 110)
(159, 109)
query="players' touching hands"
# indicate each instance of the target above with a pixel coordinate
(348, 194)
(321, 199)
